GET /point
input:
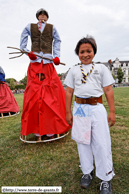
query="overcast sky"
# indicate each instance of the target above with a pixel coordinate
(106, 21)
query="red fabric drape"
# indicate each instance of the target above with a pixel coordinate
(44, 102)
(7, 100)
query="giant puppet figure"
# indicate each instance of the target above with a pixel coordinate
(8, 104)
(44, 98)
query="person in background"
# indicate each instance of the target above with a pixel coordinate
(2, 75)
(8, 103)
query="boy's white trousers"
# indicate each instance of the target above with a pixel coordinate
(100, 141)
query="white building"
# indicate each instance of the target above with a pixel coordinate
(114, 65)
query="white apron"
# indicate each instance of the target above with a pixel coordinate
(81, 130)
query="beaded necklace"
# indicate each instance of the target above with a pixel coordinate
(84, 78)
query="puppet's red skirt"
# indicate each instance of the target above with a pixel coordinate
(44, 109)
(7, 100)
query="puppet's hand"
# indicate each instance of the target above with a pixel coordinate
(32, 56)
(56, 61)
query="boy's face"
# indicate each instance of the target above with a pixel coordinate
(42, 17)
(86, 53)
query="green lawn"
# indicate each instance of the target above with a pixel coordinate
(57, 163)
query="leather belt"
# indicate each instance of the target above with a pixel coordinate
(92, 100)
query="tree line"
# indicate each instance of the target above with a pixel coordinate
(12, 83)
(13, 86)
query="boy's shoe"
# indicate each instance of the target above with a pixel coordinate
(105, 187)
(86, 180)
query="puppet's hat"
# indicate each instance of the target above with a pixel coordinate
(41, 11)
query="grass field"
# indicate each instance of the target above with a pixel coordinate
(57, 163)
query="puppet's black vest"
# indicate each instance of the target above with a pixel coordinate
(42, 41)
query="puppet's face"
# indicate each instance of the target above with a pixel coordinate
(86, 53)
(42, 17)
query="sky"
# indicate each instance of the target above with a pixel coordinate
(106, 21)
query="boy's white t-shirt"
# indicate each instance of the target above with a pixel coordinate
(100, 77)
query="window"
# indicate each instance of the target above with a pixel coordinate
(115, 73)
(124, 71)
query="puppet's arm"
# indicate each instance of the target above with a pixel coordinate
(24, 38)
(56, 43)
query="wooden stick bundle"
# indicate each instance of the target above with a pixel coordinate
(23, 52)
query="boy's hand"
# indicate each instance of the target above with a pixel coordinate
(32, 56)
(56, 61)
(69, 118)
(111, 119)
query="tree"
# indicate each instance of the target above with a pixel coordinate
(19, 87)
(24, 80)
(113, 76)
(11, 84)
(8, 80)
(59, 74)
(120, 75)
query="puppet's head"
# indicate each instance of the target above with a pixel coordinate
(40, 11)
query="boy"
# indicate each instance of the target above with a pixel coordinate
(90, 127)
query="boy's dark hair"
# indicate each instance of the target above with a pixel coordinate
(88, 39)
